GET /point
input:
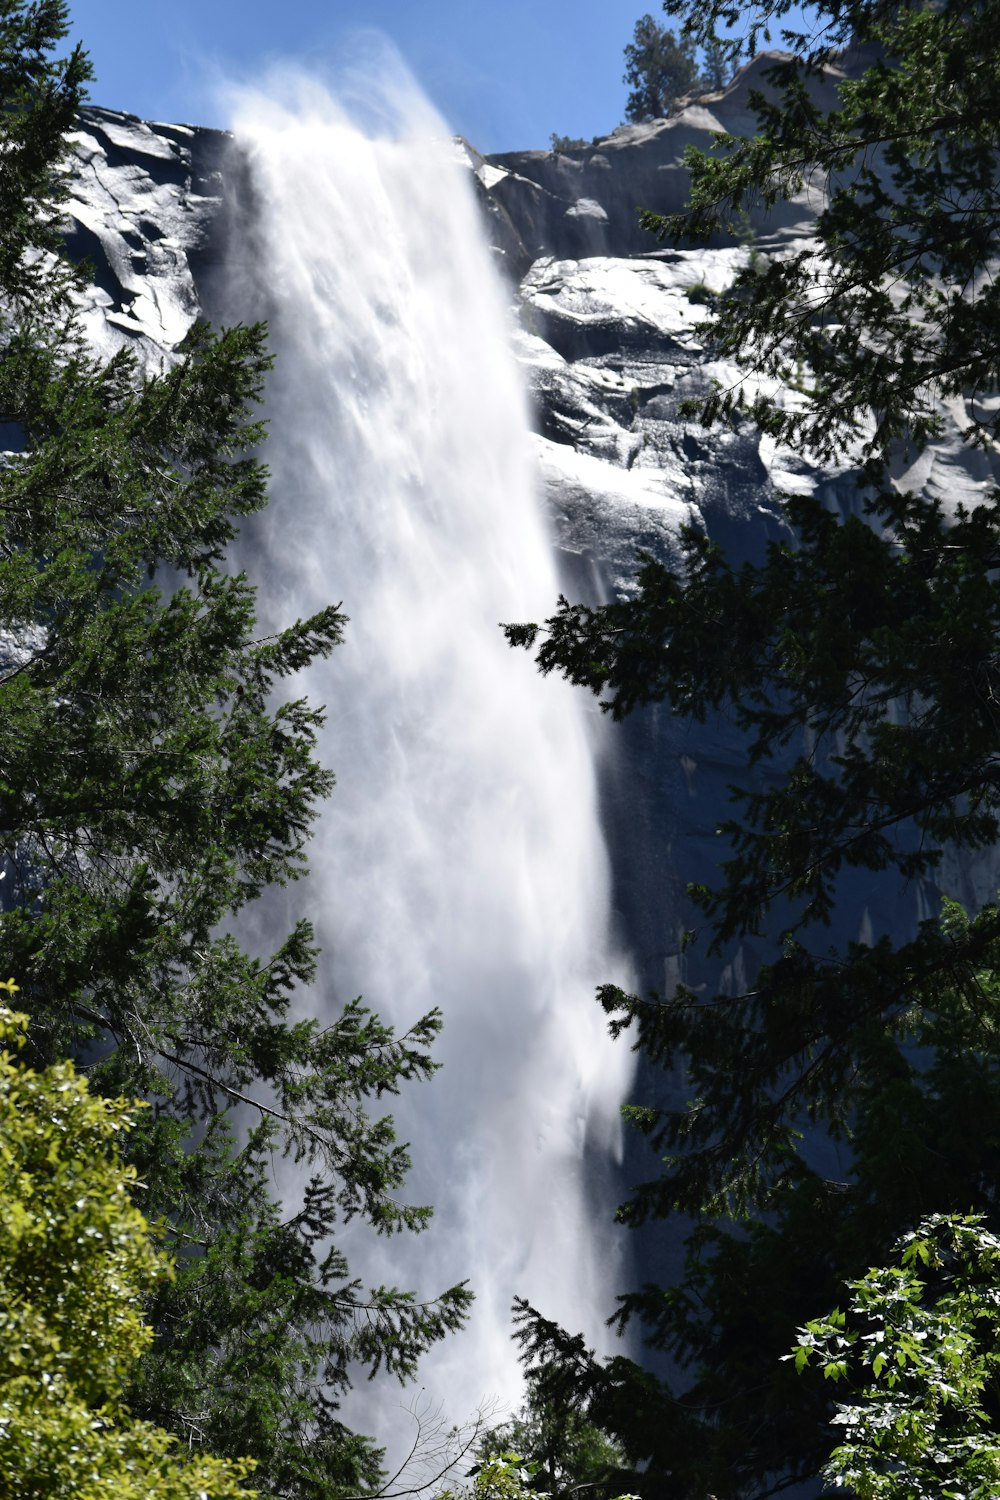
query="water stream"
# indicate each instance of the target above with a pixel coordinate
(460, 862)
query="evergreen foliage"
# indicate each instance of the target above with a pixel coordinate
(860, 661)
(659, 69)
(564, 1451)
(150, 789)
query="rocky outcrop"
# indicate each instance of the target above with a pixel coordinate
(576, 204)
(144, 210)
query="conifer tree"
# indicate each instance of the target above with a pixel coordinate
(150, 789)
(659, 68)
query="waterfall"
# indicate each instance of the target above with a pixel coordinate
(460, 862)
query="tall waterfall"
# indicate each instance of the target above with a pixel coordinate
(459, 862)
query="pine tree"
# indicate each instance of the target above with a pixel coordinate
(659, 68)
(150, 790)
(564, 1451)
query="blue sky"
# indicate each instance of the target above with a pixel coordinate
(504, 73)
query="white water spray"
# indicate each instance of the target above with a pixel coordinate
(459, 862)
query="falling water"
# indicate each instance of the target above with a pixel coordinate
(459, 863)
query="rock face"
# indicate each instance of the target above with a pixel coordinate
(578, 204)
(143, 209)
(611, 351)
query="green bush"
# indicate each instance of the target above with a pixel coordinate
(77, 1259)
